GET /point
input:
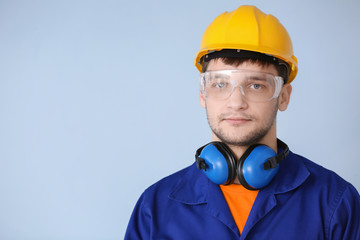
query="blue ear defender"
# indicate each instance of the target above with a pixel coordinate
(255, 168)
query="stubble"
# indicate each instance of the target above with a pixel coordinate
(246, 138)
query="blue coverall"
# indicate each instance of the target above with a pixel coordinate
(304, 201)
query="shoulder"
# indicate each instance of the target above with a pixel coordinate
(169, 181)
(152, 205)
(163, 187)
(328, 185)
(322, 176)
(338, 198)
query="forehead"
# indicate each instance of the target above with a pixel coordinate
(218, 64)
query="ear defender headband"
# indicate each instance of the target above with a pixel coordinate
(255, 168)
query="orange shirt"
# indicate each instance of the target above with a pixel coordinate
(240, 201)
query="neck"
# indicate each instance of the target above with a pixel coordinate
(269, 139)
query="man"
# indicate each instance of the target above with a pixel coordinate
(246, 184)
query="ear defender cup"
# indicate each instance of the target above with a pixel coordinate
(217, 161)
(250, 170)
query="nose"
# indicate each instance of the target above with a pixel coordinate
(237, 99)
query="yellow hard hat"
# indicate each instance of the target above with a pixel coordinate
(248, 28)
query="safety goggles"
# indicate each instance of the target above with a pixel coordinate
(254, 86)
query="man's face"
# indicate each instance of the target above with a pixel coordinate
(239, 122)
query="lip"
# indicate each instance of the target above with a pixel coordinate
(237, 120)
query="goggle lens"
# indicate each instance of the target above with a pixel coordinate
(254, 86)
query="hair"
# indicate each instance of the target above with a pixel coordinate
(282, 68)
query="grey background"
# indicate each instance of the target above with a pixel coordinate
(99, 100)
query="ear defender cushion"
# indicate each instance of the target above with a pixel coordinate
(251, 172)
(220, 163)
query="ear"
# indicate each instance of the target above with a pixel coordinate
(202, 99)
(284, 97)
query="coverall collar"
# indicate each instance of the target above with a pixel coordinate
(193, 187)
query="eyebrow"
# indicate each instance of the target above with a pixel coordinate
(257, 77)
(220, 75)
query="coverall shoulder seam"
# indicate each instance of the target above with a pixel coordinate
(333, 208)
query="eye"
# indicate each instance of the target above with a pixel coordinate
(221, 85)
(257, 86)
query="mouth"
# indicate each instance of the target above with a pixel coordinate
(237, 120)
